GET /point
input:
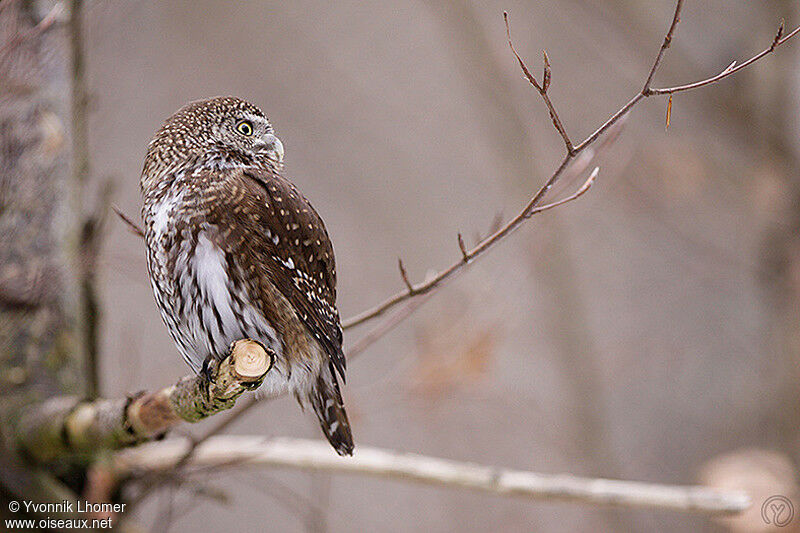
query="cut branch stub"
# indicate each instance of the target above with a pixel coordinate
(193, 398)
(251, 360)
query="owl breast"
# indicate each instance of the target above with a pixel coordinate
(201, 290)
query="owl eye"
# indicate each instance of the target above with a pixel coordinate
(245, 128)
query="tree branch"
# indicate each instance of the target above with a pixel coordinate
(530, 209)
(676, 18)
(135, 228)
(731, 69)
(542, 89)
(64, 425)
(235, 451)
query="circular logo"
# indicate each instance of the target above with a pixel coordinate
(777, 510)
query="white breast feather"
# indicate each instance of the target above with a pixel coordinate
(209, 266)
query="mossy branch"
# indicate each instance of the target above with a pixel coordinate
(65, 425)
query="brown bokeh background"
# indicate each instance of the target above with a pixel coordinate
(637, 333)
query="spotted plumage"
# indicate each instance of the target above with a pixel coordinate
(235, 251)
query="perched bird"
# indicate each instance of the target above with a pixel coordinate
(235, 251)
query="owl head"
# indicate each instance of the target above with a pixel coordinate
(218, 132)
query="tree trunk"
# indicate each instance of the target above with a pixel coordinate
(38, 355)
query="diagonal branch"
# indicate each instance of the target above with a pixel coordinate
(439, 278)
(135, 228)
(731, 69)
(236, 451)
(573, 151)
(64, 425)
(676, 18)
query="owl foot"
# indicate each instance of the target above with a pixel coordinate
(208, 369)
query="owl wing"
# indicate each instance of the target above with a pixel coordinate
(297, 252)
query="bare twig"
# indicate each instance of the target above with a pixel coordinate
(386, 326)
(546, 71)
(135, 228)
(542, 89)
(577, 194)
(305, 508)
(732, 69)
(235, 451)
(404, 275)
(482, 246)
(80, 98)
(676, 18)
(463, 248)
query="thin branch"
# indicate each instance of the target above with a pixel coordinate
(434, 281)
(497, 232)
(404, 275)
(135, 228)
(303, 507)
(386, 326)
(732, 69)
(577, 194)
(64, 425)
(547, 72)
(482, 246)
(91, 241)
(235, 451)
(676, 18)
(463, 248)
(542, 89)
(616, 117)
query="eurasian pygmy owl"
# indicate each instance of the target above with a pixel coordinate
(235, 251)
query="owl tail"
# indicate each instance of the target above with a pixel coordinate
(326, 399)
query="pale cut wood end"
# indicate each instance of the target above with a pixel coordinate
(250, 359)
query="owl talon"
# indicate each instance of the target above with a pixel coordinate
(206, 370)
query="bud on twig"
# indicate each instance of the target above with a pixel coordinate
(547, 73)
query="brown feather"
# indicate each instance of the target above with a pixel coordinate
(275, 233)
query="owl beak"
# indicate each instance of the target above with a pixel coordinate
(273, 146)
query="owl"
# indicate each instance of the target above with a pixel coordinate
(235, 251)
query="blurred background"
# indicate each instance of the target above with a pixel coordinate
(647, 331)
